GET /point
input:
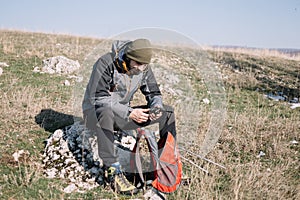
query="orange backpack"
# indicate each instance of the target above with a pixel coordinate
(165, 160)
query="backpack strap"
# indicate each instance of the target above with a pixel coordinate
(136, 158)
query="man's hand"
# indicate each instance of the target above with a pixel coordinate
(139, 115)
(155, 113)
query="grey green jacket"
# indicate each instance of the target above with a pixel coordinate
(109, 87)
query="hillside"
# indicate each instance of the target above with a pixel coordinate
(258, 145)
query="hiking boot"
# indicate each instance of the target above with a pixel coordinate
(119, 182)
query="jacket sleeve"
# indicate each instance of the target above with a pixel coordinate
(151, 90)
(98, 89)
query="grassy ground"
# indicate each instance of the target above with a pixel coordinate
(253, 124)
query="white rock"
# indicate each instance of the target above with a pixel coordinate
(51, 172)
(79, 168)
(294, 100)
(261, 154)
(62, 173)
(60, 65)
(70, 188)
(151, 195)
(67, 83)
(128, 142)
(57, 135)
(36, 69)
(3, 64)
(1, 71)
(55, 157)
(18, 154)
(294, 142)
(63, 147)
(206, 101)
(295, 105)
(69, 161)
(46, 159)
(72, 179)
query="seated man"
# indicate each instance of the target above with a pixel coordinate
(115, 78)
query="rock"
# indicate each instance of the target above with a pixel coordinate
(67, 83)
(294, 142)
(154, 195)
(60, 162)
(1, 71)
(261, 154)
(57, 135)
(59, 65)
(276, 97)
(36, 69)
(20, 154)
(295, 105)
(70, 188)
(3, 64)
(206, 101)
(51, 173)
(72, 153)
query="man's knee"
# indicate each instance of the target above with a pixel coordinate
(104, 112)
(105, 117)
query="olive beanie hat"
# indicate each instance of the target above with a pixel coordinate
(139, 50)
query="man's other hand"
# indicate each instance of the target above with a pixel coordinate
(155, 113)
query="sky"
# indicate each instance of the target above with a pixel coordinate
(246, 23)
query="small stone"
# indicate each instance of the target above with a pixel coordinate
(3, 64)
(55, 157)
(206, 101)
(294, 142)
(18, 154)
(51, 173)
(67, 83)
(70, 188)
(36, 69)
(150, 194)
(57, 135)
(261, 154)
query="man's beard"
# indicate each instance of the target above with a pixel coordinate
(133, 71)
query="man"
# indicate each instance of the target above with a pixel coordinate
(115, 78)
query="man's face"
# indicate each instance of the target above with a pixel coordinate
(136, 67)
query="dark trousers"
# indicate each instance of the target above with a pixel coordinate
(104, 122)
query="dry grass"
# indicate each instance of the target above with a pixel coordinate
(258, 52)
(253, 123)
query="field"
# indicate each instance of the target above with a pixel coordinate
(258, 145)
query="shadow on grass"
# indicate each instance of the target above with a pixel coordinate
(51, 120)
